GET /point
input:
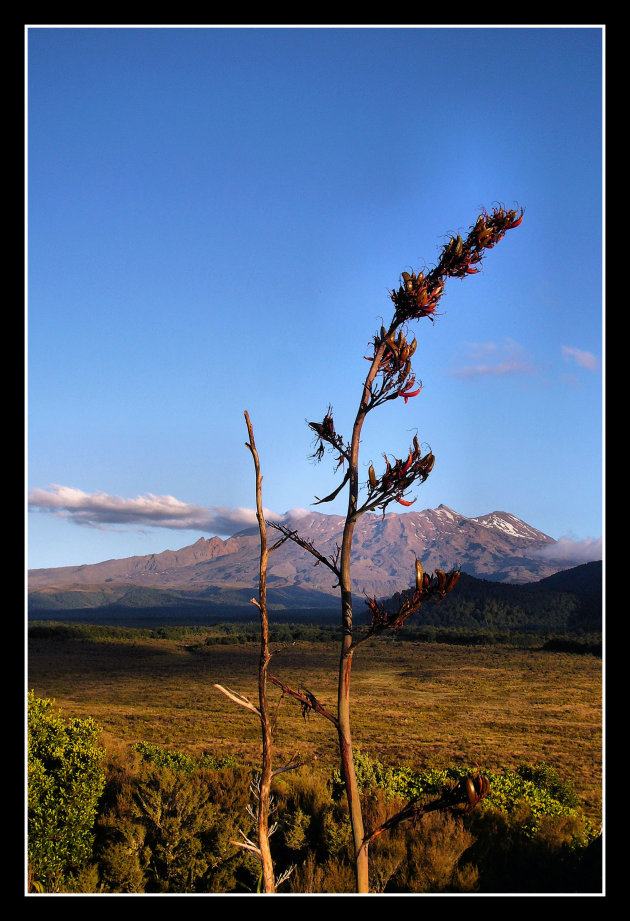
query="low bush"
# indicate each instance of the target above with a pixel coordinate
(155, 820)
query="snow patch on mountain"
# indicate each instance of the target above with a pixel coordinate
(509, 524)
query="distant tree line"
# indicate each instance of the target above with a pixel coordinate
(196, 637)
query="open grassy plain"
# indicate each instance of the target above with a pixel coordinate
(424, 704)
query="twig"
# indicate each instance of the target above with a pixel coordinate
(330, 562)
(247, 845)
(293, 764)
(308, 700)
(468, 792)
(239, 699)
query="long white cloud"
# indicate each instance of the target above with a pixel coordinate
(574, 551)
(101, 510)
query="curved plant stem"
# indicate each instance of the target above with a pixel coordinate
(265, 719)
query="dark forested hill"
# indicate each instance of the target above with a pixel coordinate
(567, 602)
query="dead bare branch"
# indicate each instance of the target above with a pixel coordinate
(289, 534)
(307, 700)
(292, 765)
(285, 875)
(279, 542)
(239, 699)
(264, 800)
(247, 845)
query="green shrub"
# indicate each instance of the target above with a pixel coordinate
(121, 870)
(295, 830)
(165, 758)
(180, 761)
(176, 810)
(65, 782)
(527, 835)
(168, 823)
(538, 786)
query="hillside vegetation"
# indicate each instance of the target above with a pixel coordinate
(569, 602)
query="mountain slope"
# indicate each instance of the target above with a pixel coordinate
(497, 546)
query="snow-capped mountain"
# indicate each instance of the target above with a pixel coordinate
(497, 546)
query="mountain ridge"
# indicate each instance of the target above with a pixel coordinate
(496, 546)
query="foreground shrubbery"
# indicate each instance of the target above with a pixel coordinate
(65, 782)
(153, 820)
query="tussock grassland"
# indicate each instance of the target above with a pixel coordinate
(417, 704)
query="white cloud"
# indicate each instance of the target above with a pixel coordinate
(492, 359)
(100, 510)
(297, 513)
(497, 370)
(583, 359)
(574, 551)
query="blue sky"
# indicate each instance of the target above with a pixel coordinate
(215, 219)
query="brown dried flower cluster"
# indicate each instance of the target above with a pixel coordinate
(398, 477)
(432, 587)
(419, 294)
